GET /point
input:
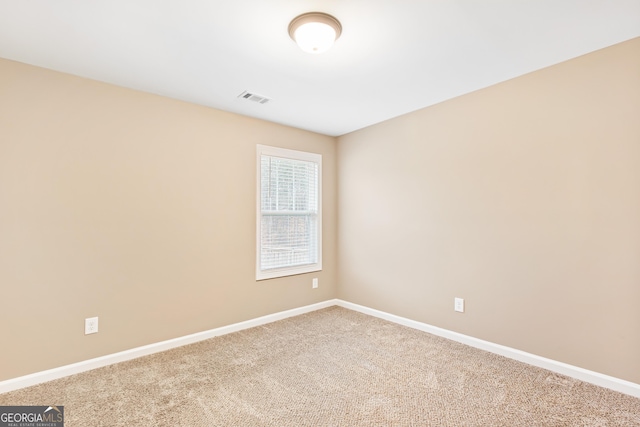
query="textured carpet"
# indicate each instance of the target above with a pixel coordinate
(332, 367)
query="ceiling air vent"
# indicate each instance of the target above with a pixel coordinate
(250, 96)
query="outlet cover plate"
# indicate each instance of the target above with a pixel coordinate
(314, 283)
(458, 304)
(91, 325)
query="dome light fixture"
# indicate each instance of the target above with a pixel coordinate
(315, 32)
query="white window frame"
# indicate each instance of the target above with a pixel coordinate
(294, 155)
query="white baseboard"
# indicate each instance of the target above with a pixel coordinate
(586, 375)
(592, 377)
(98, 362)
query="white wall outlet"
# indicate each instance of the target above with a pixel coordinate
(91, 325)
(314, 283)
(458, 304)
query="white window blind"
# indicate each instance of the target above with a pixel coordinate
(289, 212)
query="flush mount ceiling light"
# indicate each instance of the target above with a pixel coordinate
(315, 32)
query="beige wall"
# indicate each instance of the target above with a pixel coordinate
(134, 208)
(522, 198)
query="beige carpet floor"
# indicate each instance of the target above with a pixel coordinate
(333, 367)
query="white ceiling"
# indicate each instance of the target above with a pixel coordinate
(394, 56)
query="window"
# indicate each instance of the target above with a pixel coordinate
(289, 217)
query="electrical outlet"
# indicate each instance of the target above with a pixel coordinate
(314, 283)
(91, 325)
(458, 304)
